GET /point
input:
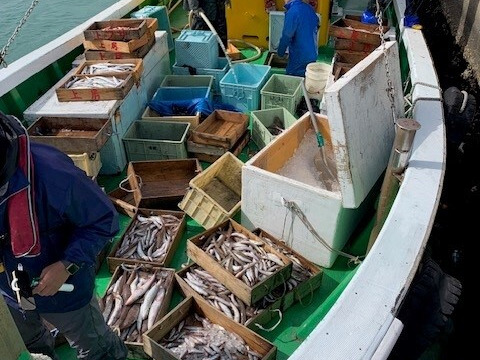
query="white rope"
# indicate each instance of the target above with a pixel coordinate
(139, 179)
(280, 315)
(464, 102)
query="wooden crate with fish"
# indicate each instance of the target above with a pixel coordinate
(70, 134)
(94, 88)
(210, 153)
(135, 299)
(195, 321)
(247, 266)
(111, 67)
(151, 238)
(357, 31)
(215, 194)
(125, 47)
(166, 180)
(116, 29)
(306, 276)
(221, 128)
(195, 281)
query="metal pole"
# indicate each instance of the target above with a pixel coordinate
(405, 130)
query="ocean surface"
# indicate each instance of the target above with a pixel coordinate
(49, 19)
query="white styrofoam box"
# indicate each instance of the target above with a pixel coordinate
(114, 158)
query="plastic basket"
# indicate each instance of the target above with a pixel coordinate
(196, 48)
(242, 89)
(189, 81)
(262, 119)
(156, 140)
(205, 201)
(160, 13)
(90, 163)
(180, 93)
(282, 91)
(218, 73)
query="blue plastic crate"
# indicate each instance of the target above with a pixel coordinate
(218, 73)
(196, 48)
(181, 93)
(243, 89)
(189, 81)
(161, 14)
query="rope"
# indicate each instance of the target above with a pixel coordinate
(280, 315)
(139, 180)
(464, 102)
(292, 206)
(4, 51)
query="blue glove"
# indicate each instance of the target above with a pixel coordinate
(369, 18)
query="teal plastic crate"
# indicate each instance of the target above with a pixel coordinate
(161, 14)
(189, 81)
(262, 120)
(282, 91)
(113, 156)
(218, 73)
(156, 140)
(242, 90)
(196, 48)
(181, 93)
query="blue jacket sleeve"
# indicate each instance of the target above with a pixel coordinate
(94, 219)
(288, 32)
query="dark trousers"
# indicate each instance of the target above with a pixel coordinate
(85, 329)
(215, 12)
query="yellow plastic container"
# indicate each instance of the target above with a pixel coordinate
(248, 21)
(90, 163)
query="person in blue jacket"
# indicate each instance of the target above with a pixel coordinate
(54, 220)
(299, 35)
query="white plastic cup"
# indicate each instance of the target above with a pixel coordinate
(316, 76)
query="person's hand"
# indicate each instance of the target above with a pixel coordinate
(51, 278)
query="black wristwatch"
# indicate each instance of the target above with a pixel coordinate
(71, 268)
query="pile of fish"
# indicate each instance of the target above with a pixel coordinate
(132, 304)
(277, 126)
(93, 82)
(244, 257)
(220, 297)
(107, 68)
(299, 272)
(197, 338)
(149, 238)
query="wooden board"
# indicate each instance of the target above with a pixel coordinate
(346, 44)
(161, 180)
(71, 135)
(221, 128)
(349, 57)
(112, 55)
(95, 94)
(138, 346)
(356, 31)
(117, 46)
(152, 338)
(116, 29)
(150, 114)
(136, 72)
(211, 153)
(114, 261)
(249, 295)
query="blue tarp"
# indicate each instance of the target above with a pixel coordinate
(204, 106)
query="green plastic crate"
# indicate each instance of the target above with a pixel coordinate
(262, 119)
(282, 91)
(155, 140)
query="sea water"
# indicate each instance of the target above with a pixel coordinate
(49, 19)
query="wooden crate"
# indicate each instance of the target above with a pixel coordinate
(114, 261)
(215, 194)
(261, 318)
(116, 29)
(221, 128)
(307, 287)
(136, 72)
(356, 31)
(152, 338)
(112, 55)
(349, 57)
(117, 46)
(95, 94)
(346, 44)
(211, 153)
(249, 295)
(150, 114)
(161, 180)
(118, 271)
(71, 135)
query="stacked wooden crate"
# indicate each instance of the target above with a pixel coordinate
(354, 40)
(221, 132)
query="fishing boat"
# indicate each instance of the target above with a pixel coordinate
(353, 313)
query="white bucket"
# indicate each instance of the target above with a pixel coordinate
(316, 76)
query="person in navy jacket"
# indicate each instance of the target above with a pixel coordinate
(54, 220)
(299, 34)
